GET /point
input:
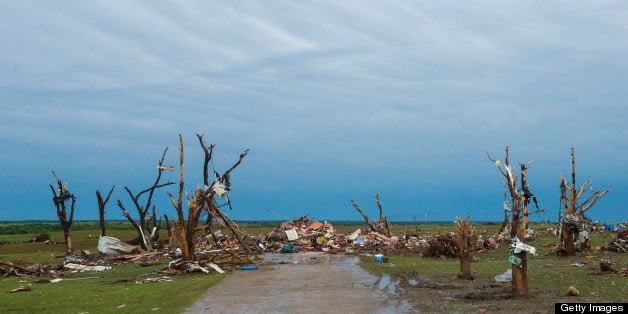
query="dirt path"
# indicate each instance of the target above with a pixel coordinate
(307, 282)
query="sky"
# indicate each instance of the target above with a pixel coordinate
(336, 100)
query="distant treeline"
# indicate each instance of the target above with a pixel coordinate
(32, 227)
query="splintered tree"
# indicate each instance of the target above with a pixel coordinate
(101, 209)
(186, 229)
(520, 197)
(466, 234)
(148, 235)
(381, 226)
(574, 206)
(60, 196)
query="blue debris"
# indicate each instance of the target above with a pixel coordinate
(248, 267)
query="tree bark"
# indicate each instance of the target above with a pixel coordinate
(101, 209)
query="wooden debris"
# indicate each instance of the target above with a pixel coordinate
(28, 287)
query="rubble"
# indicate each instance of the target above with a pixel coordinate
(620, 243)
(442, 246)
(305, 234)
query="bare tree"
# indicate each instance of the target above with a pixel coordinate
(101, 209)
(520, 197)
(60, 196)
(381, 226)
(574, 209)
(148, 236)
(466, 235)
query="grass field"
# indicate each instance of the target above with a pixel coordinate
(117, 290)
(438, 289)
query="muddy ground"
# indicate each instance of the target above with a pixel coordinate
(308, 282)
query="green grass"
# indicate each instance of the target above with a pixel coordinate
(112, 291)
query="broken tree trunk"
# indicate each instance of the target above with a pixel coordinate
(519, 199)
(204, 200)
(575, 219)
(466, 236)
(60, 196)
(101, 210)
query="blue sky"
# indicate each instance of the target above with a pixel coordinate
(335, 100)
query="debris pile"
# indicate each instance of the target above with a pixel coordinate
(620, 243)
(305, 234)
(19, 269)
(442, 246)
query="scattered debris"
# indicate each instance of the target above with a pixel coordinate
(379, 258)
(216, 268)
(620, 243)
(518, 247)
(505, 277)
(249, 267)
(19, 269)
(113, 246)
(28, 287)
(445, 245)
(79, 268)
(154, 279)
(572, 291)
(490, 243)
(40, 237)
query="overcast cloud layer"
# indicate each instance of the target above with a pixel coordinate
(336, 101)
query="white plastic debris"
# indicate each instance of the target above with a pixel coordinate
(219, 188)
(113, 246)
(583, 236)
(216, 268)
(519, 247)
(505, 277)
(164, 167)
(81, 268)
(292, 234)
(355, 235)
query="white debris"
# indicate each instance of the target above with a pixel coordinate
(216, 268)
(292, 234)
(219, 188)
(78, 268)
(113, 246)
(505, 277)
(355, 235)
(519, 247)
